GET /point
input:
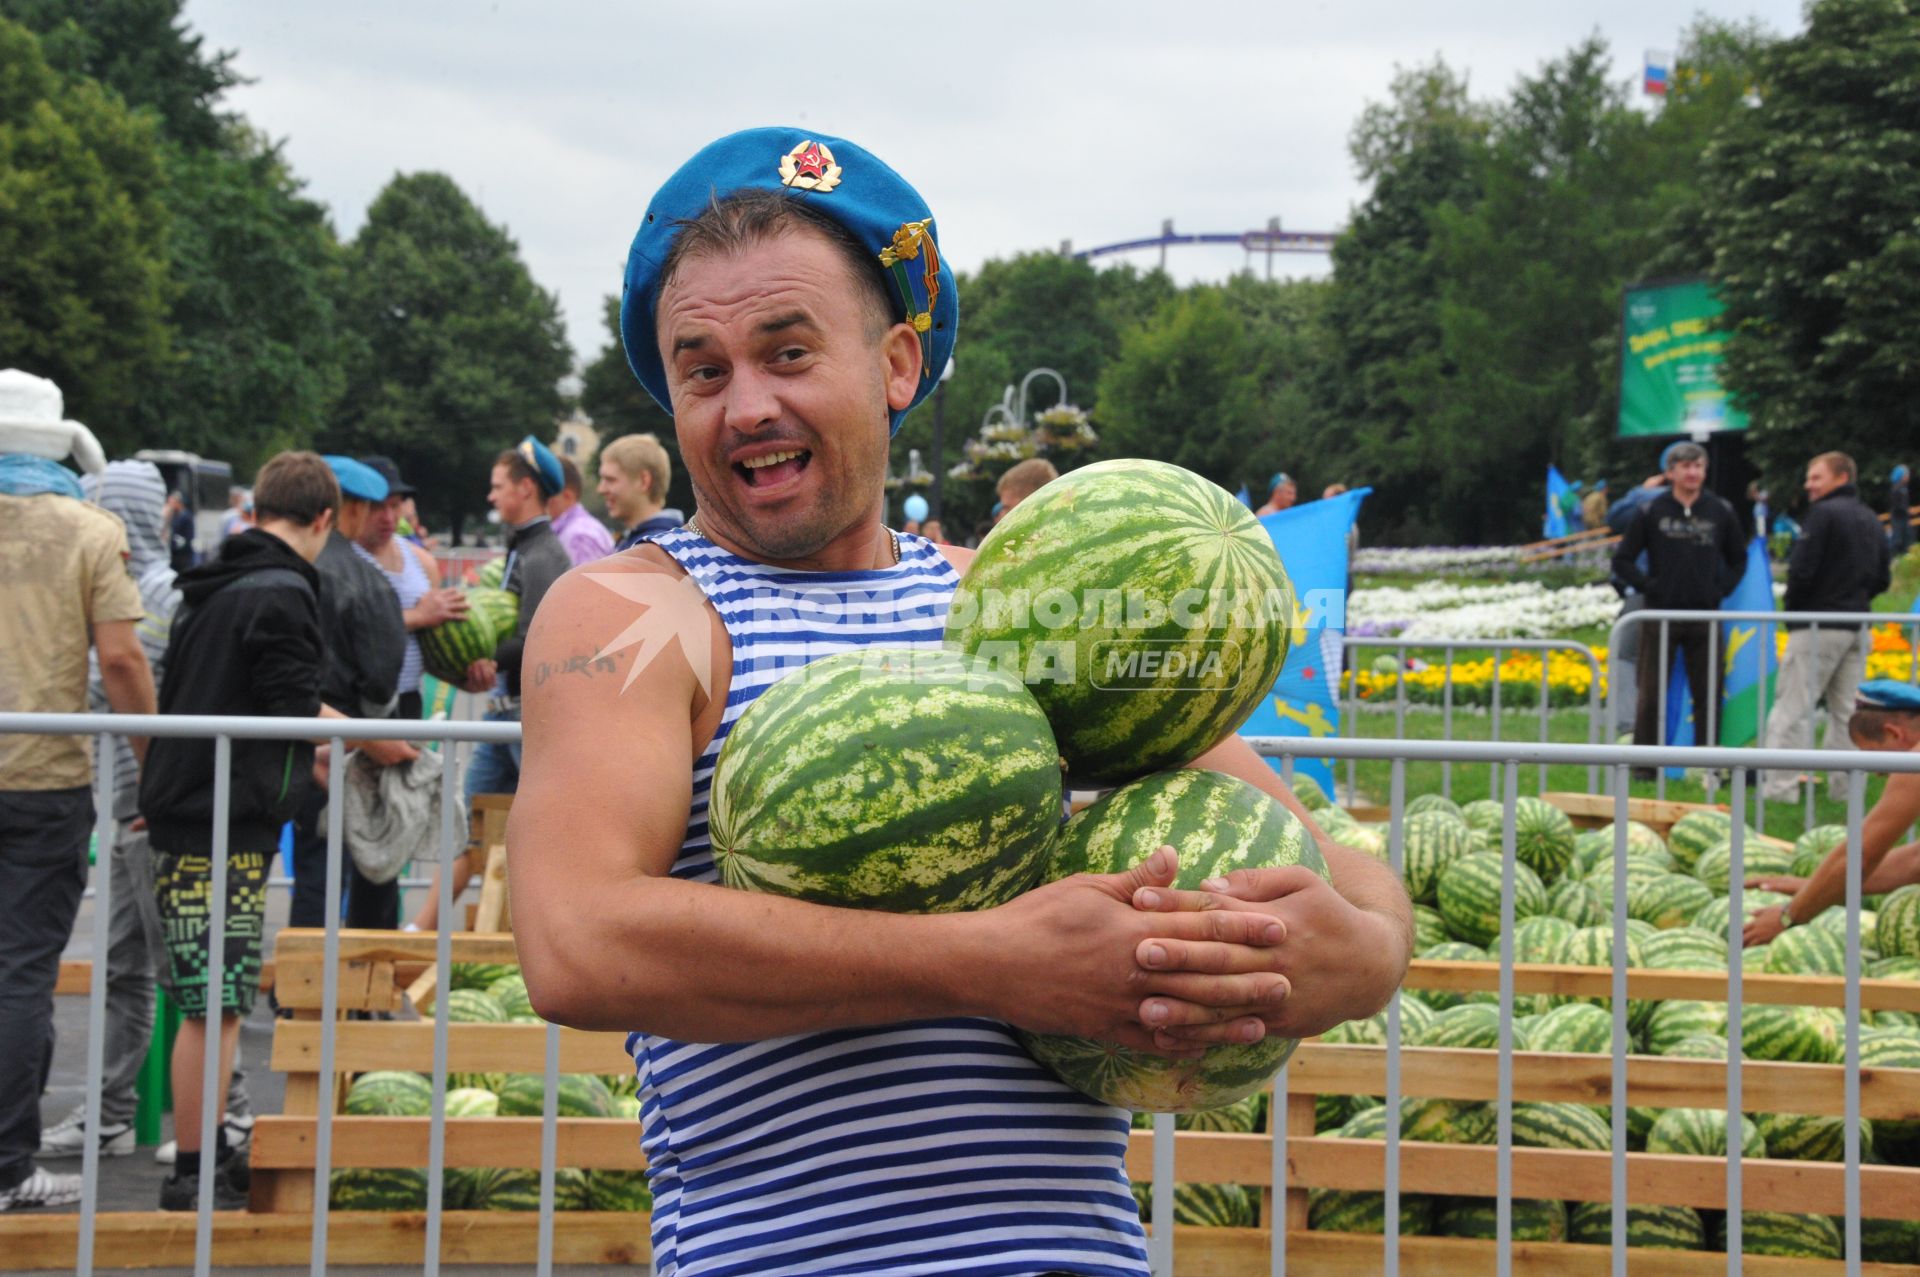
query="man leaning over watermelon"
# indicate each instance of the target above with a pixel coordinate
(785, 300)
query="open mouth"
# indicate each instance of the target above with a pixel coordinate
(772, 469)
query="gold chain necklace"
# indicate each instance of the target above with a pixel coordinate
(893, 538)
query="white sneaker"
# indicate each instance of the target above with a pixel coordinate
(239, 1135)
(42, 1188)
(69, 1138)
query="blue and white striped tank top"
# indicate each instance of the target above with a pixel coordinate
(410, 583)
(932, 1147)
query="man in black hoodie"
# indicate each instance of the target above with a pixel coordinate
(246, 640)
(1695, 557)
(1839, 563)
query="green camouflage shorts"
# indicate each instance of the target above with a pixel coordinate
(183, 885)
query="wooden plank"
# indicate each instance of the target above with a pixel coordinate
(1660, 986)
(287, 1143)
(365, 984)
(397, 946)
(1346, 1255)
(360, 1047)
(493, 913)
(76, 978)
(1321, 1068)
(1661, 813)
(165, 1239)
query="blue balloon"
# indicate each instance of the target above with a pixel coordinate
(916, 507)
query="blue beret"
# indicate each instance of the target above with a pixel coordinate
(835, 177)
(1887, 693)
(1279, 477)
(357, 479)
(546, 467)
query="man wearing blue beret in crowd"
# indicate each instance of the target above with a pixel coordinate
(825, 1090)
(1282, 492)
(1886, 718)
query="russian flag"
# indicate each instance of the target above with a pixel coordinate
(1659, 67)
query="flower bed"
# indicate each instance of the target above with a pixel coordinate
(1445, 609)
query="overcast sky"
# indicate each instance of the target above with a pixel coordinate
(1023, 124)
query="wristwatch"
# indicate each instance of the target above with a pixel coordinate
(1786, 918)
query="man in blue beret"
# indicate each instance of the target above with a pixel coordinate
(1282, 492)
(1886, 719)
(826, 1090)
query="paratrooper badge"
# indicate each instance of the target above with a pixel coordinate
(809, 167)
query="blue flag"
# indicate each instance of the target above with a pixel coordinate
(1312, 541)
(1558, 490)
(1748, 654)
(1244, 497)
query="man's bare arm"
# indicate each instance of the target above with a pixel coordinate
(608, 939)
(125, 676)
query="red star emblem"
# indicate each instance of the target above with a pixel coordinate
(1307, 673)
(810, 162)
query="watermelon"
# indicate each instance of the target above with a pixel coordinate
(619, 1084)
(1666, 900)
(627, 1107)
(1713, 915)
(1333, 1210)
(1542, 837)
(1434, 840)
(516, 1188)
(471, 1101)
(1701, 1133)
(1574, 900)
(1588, 846)
(1218, 824)
(510, 991)
(1485, 816)
(1672, 1022)
(1473, 1026)
(1440, 1121)
(1834, 921)
(1806, 951)
(447, 649)
(1145, 606)
(387, 1188)
(1451, 951)
(1333, 820)
(390, 1093)
(618, 1190)
(1811, 848)
(1532, 1220)
(1434, 802)
(1789, 1236)
(1469, 896)
(1715, 865)
(1543, 1124)
(474, 1006)
(476, 1081)
(1371, 1031)
(1899, 1138)
(479, 975)
(1807, 1137)
(1896, 932)
(1701, 1046)
(1808, 1035)
(1238, 1118)
(1693, 833)
(1308, 791)
(1538, 938)
(1688, 948)
(1213, 1205)
(1642, 840)
(1888, 1241)
(1414, 1014)
(1372, 839)
(847, 783)
(1593, 947)
(1573, 1028)
(1429, 928)
(575, 1095)
(491, 573)
(1650, 1227)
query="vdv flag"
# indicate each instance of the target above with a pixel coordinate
(1557, 492)
(1748, 653)
(1312, 541)
(1244, 497)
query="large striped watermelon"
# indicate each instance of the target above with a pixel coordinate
(1538, 938)
(1809, 1137)
(1146, 607)
(1693, 833)
(1642, 841)
(1808, 950)
(1811, 848)
(1469, 896)
(1311, 796)
(1440, 1121)
(1531, 1219)
(1433, 841)
(1485, 816)
(1574, 900)
(471, 1101)
(390, 1093)
(1713, 915)
(1789, 1236)
(492, 573)
(474, 1006)
(388, 1188)
(516, 1188)
(1451, 951)
(1543, 1124)
(1701, 1133)
(510, 991)
(618, 1190)
(1213, 1205)
(1889, 1241)
(1652, 1227)
(909, 781)
(1666, 900)
(1674, 1021)
(1688, 948)
(1573, 1028)
(1807, 1035)
(1471, 1026)
(1414, 1014)
(1429, 928)
(1542, 837)
(1217, 824)
(1593, 947)
(1896, 932)
(1898, 1138)
(1434, 802)
(575, 1095)
(447, 649)
(1714, 867)
(478, 975)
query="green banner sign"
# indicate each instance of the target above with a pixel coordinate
(1670, 362)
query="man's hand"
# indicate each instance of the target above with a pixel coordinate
(322, 761)
(1341, 962)
(388, 753)
(1777, 882)
(480, 676)
(1762, 927)
(436, 607)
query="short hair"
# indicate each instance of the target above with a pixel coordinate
(640, 454)
(1839, 464)
(753, 216)
(518, 468)
(1678, 452)
(569, 476)
(1026, 478)
(295, 486)
(1870, 721)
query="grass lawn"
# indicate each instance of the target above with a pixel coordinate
(1569, 727)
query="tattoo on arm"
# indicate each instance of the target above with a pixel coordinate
(583, 663)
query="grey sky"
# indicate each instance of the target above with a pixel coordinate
(1022, 123)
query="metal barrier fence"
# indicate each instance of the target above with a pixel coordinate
(1508, 756)
(1764, 626)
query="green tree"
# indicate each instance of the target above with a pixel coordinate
(1816, 252)
(142, 50)
(83, 238)
(619, 405)
(454, 351)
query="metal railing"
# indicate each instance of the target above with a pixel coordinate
(1508, 756)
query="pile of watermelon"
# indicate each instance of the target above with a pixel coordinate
(489, 994)
(1678, 907)
(447, 649)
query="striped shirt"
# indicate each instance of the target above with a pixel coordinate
(931, 1147)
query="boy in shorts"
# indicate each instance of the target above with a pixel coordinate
(246, 641)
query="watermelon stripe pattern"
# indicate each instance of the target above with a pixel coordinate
(1200, 579)
(447, 649)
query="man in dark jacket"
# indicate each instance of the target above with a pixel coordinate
(366, 643)
(1838, 565)
(1695, 557)
(246, 640)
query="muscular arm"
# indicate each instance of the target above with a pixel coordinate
(609, 940)
(125, 675)
(1896, 811)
